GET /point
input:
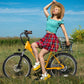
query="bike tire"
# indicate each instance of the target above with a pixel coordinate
(18, 72)
(61, 72)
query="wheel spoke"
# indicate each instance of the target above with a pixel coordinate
(68, 62)
(11, 68)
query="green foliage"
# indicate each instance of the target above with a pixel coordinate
(78, 34)
(15, 40)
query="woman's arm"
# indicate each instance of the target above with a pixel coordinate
(46, 7)
(65, 33)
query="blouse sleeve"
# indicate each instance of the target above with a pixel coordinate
(48, 17)
(61, 22)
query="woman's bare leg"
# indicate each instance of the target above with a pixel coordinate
(35, 51)
(41, 54)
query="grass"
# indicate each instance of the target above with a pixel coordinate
(78, 53)
(57, 80)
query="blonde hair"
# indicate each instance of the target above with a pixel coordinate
(59, 14)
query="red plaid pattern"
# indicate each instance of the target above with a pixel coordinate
(49, 41)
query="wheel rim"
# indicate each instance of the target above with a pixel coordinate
(11, 69)
(69, 64)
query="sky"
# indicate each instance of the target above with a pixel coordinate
(19, 15)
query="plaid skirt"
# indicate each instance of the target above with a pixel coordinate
(49, 41)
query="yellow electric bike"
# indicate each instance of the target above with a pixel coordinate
(18, 64)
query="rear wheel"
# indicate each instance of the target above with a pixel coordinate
(70, 65)
(12, 68)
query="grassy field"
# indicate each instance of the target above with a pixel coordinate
(78, 53)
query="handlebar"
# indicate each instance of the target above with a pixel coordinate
(26, 32)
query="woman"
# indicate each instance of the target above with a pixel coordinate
(50, 41)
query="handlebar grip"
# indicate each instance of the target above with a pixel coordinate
(28, 32)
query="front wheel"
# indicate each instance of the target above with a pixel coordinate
(70, 65)
(17, 66)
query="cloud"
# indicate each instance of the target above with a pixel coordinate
(9, 3)
(22, 11)
(12, 19)
(11, 14)
(70, 12)
(75, 19)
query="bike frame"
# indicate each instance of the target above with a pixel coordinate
(28, 47)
